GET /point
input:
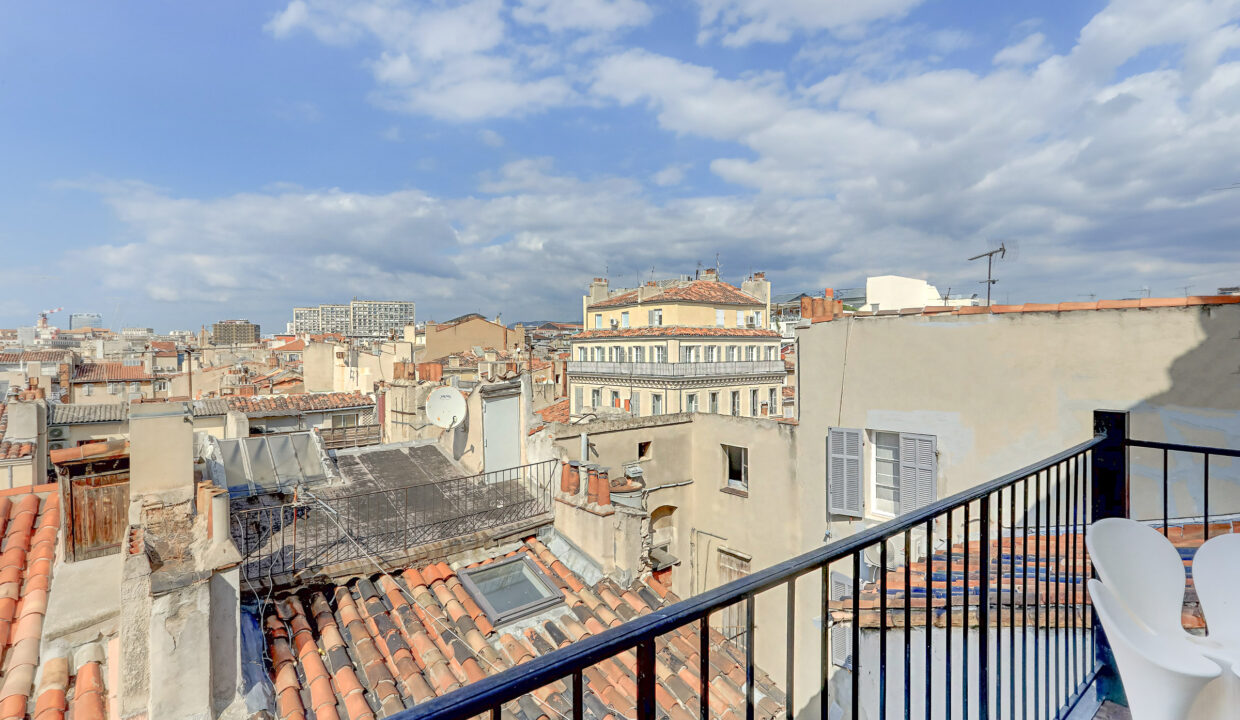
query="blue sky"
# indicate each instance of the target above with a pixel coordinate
(174, 164)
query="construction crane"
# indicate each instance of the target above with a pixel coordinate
(43, 317)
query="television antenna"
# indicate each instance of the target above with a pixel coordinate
(1001, 251)
(1144, 291)
(1186, 288)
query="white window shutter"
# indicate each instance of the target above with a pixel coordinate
(841, 633)
(844, 472)
(917, 472)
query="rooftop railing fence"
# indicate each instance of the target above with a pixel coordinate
(1007, 556)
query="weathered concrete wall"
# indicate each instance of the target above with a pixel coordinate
(181, 667)
(466, 335)
(161, 447)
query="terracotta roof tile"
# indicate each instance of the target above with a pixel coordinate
(14, 357)
(259, 405)
(389, 644)
(714, 292)
(110, 372)
(294, 346)
(557, 412)
(676, 331)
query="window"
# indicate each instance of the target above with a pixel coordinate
(714, 402)
(510, 589)
(757, 318)
(113, 388)
(635, 406)
(577, 393)
(656, 404)
(344, 421)
(712, 353)
(753, 402)
(624, 319)
(87, 390)
(639, 353)
(886, 473)
(654, 318)
(731, 353)
(598, 354)
(643, 450)
(691, 403)
(659, 353)
(719, 319)
(736, 467)
(732, 621)
(596, 397)
(690, 353)
(598, 321)
(740, 318)
(773, 405)
(616, 353)
(904, 472)
(769, 352)
(583, 354)
(736, 402)
(751, 352)
(135, 387)
(615, 398)
(844, 471)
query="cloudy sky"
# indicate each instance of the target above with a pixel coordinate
(171, 164)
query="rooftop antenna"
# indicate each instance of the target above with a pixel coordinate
(990, 263)
(1145, 290)
(1186, 289)
(1091, 296)
(947, 296)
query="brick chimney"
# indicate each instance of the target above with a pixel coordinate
(710, 274)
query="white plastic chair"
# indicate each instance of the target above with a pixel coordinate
(1143, 570)
(1216, 576)
(1162, 675)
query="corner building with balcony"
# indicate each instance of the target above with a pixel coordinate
(674, 346)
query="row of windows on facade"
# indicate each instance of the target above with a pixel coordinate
(692, 403)
(654, 318)
(114, 388)
(688, 353)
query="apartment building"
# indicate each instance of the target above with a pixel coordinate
(698, 345)
(234, 332)
(77, 321)
(359, 318)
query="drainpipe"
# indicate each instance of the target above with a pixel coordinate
(585, 448)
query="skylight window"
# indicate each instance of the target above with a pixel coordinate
(511, 589)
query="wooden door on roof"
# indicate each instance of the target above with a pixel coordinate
(98, 515)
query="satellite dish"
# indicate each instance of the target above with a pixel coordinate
(445, 407)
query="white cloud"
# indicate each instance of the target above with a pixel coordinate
(392, 134)
(742, 22)
(491, 138)
(1032, 49)
(596, 15)
(670, 175)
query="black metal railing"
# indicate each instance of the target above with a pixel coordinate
(996, 612)
(317, 529)
(1001, 585)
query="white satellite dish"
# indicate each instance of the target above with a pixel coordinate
(445, 407)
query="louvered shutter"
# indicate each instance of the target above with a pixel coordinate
(577, 399)
(841, 632)
(635, 405)
(917, 472)
(844, 471)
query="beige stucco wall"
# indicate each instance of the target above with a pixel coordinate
(466, 335)
(161, 445)
(99, 392)
(1002, 391)
(746, 348)
(318, 363)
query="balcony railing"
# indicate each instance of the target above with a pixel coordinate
(1018, 639)
(677, 369)
(317, 530)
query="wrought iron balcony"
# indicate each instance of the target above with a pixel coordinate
(994, 623)
(676, 370)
